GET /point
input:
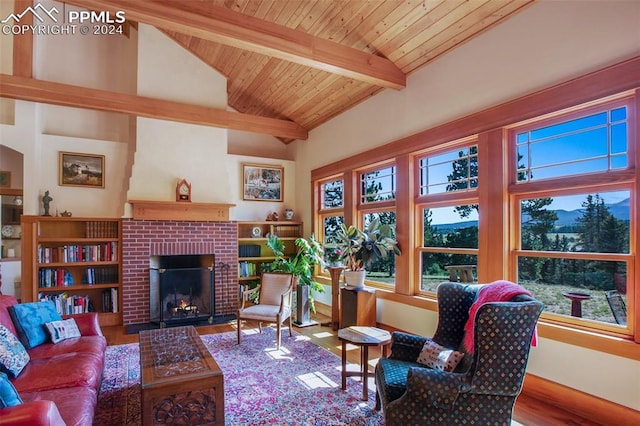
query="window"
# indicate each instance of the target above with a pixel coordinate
(378, 185)
(450, 245)
(332, 194)
(575, 244)
(382, 271)
(573, 247)
(455, 170)
(562, 208)
(591, 142)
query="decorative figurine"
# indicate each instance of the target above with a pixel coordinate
(46, 200)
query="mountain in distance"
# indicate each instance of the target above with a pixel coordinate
(619, 210)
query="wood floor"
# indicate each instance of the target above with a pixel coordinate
(528, 411)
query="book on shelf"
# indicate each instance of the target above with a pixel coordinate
(73, 253)
(54, 277)
(284, 231)
(247, 269)
(67, 304)
(110, 300)
(100, 275)
(101, 229)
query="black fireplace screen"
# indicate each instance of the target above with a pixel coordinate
(182, 290)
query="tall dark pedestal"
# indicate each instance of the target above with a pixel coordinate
(303, 307)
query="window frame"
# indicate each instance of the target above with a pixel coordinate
(491, 126)
(576, 184)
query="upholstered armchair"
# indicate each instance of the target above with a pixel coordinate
(483, 388)
(274, 303)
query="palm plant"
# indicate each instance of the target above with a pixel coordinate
(301, 264)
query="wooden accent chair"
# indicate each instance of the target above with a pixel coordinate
(483, 388)
(274, 303)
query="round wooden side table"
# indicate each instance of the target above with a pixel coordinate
(362, 337)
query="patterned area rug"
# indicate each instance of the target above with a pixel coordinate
(297, 385)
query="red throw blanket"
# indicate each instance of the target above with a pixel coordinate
(497, 291)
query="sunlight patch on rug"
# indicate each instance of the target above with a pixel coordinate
(296, 385)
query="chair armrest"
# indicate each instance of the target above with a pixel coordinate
(405, 346)
(435, 388)
(88, 323)
(36, 413)
(246, 293)
(283, 298)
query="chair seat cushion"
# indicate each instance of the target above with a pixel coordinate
(262, 311)
(394, 375)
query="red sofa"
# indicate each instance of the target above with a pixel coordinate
(60, 383)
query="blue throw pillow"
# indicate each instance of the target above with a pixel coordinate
(13, 355)
(8, 393)
(29, 320)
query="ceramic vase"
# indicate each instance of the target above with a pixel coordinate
(355, 278)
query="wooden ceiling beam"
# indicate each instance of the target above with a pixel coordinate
(23, 43)
(28, 89)
(221, 25)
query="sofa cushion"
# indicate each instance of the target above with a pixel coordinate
(61, 371)
(5, 318)
(13, 355)
(75, 404)
(86, 344)
(8, 394)
(29, 320)
(62, 330)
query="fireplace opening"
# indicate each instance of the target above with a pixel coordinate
(181, 289)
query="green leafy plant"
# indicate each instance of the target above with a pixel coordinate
(361, 248)
(308, 254)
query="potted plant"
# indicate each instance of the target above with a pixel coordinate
(301, 265)
(333, 256)
(361, 248)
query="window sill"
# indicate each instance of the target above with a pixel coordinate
(589, 339)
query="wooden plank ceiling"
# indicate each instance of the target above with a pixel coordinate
(410, 33)
(306, 61)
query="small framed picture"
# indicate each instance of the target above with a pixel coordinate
(262, 182)
(5, 179)
(77, 169)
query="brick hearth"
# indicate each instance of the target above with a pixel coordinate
(142, 239)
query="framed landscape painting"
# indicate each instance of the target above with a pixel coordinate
(262, 182)
(77, 169)
(5, 179)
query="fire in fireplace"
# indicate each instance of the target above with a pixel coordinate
(182, 289)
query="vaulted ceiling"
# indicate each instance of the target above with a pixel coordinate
(303, 62)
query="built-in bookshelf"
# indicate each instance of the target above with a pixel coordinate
(75, 263)
(253, 253)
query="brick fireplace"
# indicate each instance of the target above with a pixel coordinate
(142, 239)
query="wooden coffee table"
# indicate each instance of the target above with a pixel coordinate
(181, 382)
(362, 337)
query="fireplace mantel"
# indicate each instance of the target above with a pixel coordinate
(184, 211)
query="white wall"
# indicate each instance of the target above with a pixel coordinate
(547, 43)
(167, 151)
